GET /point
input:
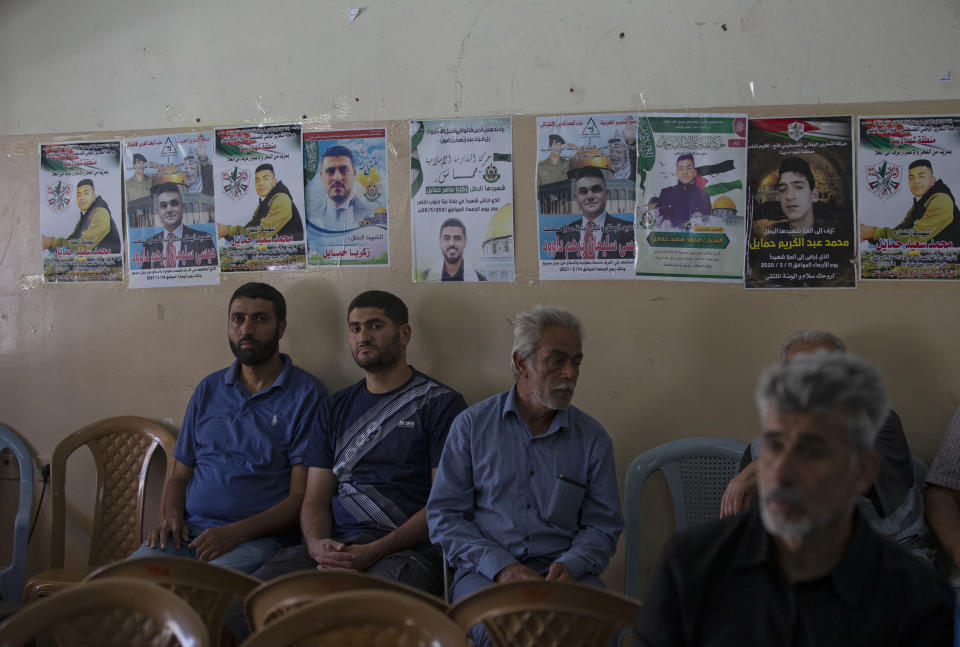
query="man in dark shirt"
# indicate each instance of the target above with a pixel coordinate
(801, 567)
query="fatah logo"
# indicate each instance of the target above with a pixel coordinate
(795, 130)
(235, 182)
(884, 180)
(491, 174)
(58, 196)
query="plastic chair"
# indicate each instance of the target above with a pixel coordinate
(546, 614)
(361, 619)
(207, 588)
(278, 597)
(11, 577)
(697, 471)
(119, 611)
(122, 448)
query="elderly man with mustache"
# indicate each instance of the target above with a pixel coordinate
(803, 567)
(527, 486)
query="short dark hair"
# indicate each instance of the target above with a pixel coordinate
(165, 187)
(262, 291)
(798, 166)
(338, 151)
(555, 139)
(265, 167)
(392, 306)
(917, 163)
(453, 222)
(589, 171)
(137, 157)
(686, 156)
(85, 182)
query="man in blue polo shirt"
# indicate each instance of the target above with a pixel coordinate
(371, 464)
(239, 478)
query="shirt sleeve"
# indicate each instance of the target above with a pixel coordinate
(938, 215)
(185, 449)
(660, 621)
(97, 229)
(945, 469)
(601, 520)
(450, 506)
(447, 409)
(280, 213)
(319, 451)
(306, 426)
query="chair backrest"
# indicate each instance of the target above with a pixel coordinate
(696, 470)
(360, 619)
(278, 597)
(543, 614)
(11, 577)
(207, 588)
(121, 448)
(108, 612)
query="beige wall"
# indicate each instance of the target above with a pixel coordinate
(663, 360)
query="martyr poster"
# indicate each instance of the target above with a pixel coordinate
(168, 196)
(258, 174)
(80, 226)
(346, 196)
(461, 199)
(691, 196)
(800, 216)
(907, 170)
(586, 196)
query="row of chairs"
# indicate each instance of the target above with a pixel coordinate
(154, 599)
(696, 471)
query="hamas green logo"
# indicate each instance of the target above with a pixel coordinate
(491, 174)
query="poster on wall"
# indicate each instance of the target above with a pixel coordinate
(461, 199)
(168, 193)
(80, 227)
(907, 170)
(586, 195)
(800, 218)
(258, 178)
(691, 196)
(346, 196)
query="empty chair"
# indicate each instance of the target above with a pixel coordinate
(696, 471)
(207, 588)
(11, 577)
(544, 614)
(363, 618)
(109, 612)
(121, 448)
(277, 597)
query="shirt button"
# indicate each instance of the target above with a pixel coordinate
(529, 505)
(531, 472)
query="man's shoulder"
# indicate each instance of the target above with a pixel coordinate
(583, 422)
(215, 380)
(301, 379)
(495, 403)
(434, 386)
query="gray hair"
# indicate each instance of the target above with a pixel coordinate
(828, 382)
(530, 327)
(812, 338)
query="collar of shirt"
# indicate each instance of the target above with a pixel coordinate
(561, 419)
(332, 206)
(233, 375)
(851, 577)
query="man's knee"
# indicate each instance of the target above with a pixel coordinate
(419, 569)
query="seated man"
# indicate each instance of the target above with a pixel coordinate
(893, 506)
(238, 479)
(372, 460)
(942, 496)
(527, 485)
(802, 567)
